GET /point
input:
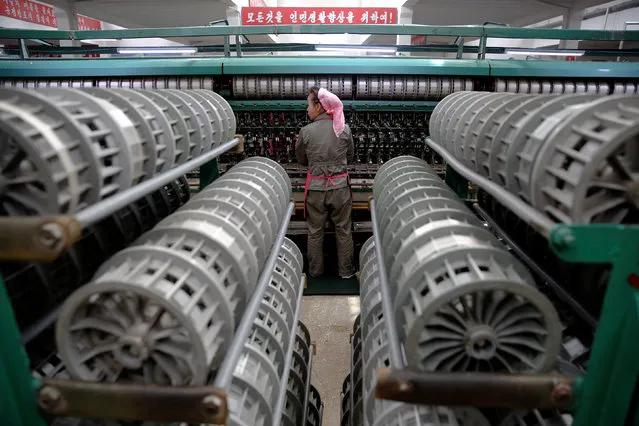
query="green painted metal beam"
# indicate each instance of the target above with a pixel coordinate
(53, 68)
(17, 391)
(59, 68)
(278, 47)
(429, 30)
(604, 396)
(345, 65)
(452, 31)
(559, 69)
(561, 34)
(208, 173)
(456, 182)
(300, 105)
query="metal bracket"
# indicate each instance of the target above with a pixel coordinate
(239, 148)
(476, 389)
(197, 404)
(37, 238)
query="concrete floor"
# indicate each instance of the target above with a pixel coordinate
(330, 322)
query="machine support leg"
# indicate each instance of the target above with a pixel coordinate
(606, 394)
(208, 173)
(457, 182)
(18, 403)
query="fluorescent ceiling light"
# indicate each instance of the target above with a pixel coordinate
(175, 50)
(371, 49)
(548, 52)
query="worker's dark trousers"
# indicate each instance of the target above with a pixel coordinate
(319, 205)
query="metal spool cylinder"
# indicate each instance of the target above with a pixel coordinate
(484, 273)
(570, 155)
(375, 354)
(149, 311)
(252, 397)
(253, 390)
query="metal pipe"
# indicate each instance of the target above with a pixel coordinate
(307, 388)
(24, 49)
(558, 289)
(482, 47)
(43, 323)
(537, 220)
(396, 359)
(281, 400)
(545, 391)
(238, 46)
(107, 207)
(460, 48)
(227, 46)
(225, 372)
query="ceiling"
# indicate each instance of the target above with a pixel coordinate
(150, 13)
(514, 13)
(157, 14)
(177, 13)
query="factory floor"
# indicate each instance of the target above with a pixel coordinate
(330, 322)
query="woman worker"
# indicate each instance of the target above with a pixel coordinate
(326, 146)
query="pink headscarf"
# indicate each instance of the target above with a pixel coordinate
(333, 106)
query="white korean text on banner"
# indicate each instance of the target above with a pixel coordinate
(86, 23)
(318, 15)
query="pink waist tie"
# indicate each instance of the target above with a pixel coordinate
(329, 178)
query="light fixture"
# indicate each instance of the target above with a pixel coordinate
(545, 52)
(159, 50)
(356, 48)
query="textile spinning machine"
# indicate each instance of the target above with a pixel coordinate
(157, 292)
(154, 239)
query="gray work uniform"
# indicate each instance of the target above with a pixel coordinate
(327, 155)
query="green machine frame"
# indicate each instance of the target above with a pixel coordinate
(603, 397)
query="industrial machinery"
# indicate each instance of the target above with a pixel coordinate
(489, 179)
(167, 290)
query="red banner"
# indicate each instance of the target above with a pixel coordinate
(29, 11)
(418, 40)
(86, 23)
(318, 15)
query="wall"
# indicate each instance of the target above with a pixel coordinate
(62, 17)
(133, 42)
(16, 23)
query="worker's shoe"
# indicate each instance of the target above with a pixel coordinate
(348, 277)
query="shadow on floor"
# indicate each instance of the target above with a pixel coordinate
(324, 286)
(331, 283)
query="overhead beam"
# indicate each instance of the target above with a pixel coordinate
(573, 18)
(556, 3)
